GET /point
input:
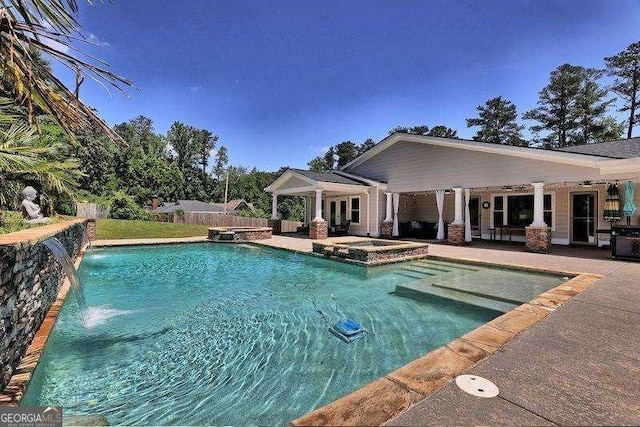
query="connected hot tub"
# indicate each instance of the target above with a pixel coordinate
(371, 252)
(239, 234)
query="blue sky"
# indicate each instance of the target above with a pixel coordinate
(280, 81)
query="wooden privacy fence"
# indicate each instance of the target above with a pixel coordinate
(220, 220)
(92, 210)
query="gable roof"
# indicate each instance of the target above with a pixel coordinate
(562, 157)
(233, 205)
(188, 206)
(330, 181)
(328, 177)
(620, 149)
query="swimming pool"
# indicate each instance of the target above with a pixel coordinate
(229, 334)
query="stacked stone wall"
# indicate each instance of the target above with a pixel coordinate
(538, 239)
(386, 229)
(456, 234)
(318, 230)
(30, 278)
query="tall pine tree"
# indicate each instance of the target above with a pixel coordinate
(556, 107)
(625, 67)
(497, 119)
(590, 111)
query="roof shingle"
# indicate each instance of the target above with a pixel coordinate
(620, 149)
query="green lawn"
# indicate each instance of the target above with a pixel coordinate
(123, 229)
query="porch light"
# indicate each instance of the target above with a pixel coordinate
(612, 204)
(447, 192)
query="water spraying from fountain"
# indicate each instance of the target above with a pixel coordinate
(90, 316)
(61, 254)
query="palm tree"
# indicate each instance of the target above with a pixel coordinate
(50, 26)
(26, 156)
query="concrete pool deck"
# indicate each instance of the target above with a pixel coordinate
(578, 366)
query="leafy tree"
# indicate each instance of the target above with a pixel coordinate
(325, 162)
(221, 161)
(413, 130)
(143, 166)
(318, 164)
(497, 120)
(181, 141)
(625, 67)
(97, 157)
(442, 131)
(205, 142)
(49, 26)
(438, 131)
(345, 151)
(556, 107)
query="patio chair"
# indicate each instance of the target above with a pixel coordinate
(340, 230)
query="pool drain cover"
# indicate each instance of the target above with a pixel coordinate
(477, 386)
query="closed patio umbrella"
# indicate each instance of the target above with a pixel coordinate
(629, 207)
(612, 204)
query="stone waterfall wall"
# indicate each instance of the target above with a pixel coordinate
(30, 277)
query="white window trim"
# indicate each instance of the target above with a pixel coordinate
(350, 210)
(505, 206)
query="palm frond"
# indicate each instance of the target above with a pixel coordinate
(50, 26)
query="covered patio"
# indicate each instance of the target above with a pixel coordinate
(336, 203)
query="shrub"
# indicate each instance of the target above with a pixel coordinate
(124, 206)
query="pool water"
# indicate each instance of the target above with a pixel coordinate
(230, 334)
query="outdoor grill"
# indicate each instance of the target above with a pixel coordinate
(625, 242)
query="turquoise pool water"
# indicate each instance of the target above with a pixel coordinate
(228, 334)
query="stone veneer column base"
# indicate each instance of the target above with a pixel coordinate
(318, 230)
(538, 239)
(386, 229)
(456, 234)
(276, 226)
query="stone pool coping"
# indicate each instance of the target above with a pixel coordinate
(387, 397)
(14, 391)
(37, 234)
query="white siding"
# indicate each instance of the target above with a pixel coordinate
(408, 166)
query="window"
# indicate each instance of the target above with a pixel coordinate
(548, 212)
(518, 210)
(355, 210)
(498, 211)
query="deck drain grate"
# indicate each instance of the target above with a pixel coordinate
(477, 386)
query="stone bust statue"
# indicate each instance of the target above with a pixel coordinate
(32, 210)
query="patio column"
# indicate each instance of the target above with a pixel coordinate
(458, 212)
(318, 227)
(386, 226)
(275, 223)
(538, 204)
(318, 216)
(538, 233)
(456, 228)
(274, 206)
(389, 214)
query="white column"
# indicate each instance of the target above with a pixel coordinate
(389, 214)
(274, 206)
(538, 204)
(458, 217)
(318, 205)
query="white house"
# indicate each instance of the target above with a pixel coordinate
(419, 186)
